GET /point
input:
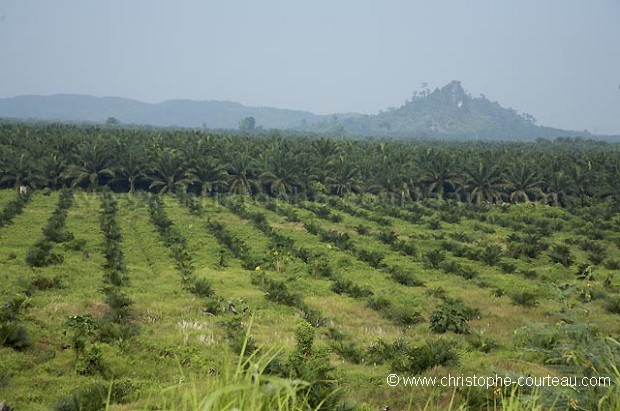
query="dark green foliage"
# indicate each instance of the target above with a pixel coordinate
(342, 286)
(379, 303)
(452, 267)
(507, 267)
(404, 247)
(349, 351)
(491, 255)
(201, 288)
(529, 274)
(41, 255)
(613, 305)
(94, 397)
(41, 283)
(452, 316)
(561, 254)
(434, 258)
(238, 337)
(373, 257)
(14, 335)
(312, 316)
(422, 358)
(524, 298)
(434, 224)
(14, 208)
(335, 334)
(77, 244)
(362, 229)
(482, 343)
(612, 264)
(321, 268)
(405, 317)
(404, 277)
(277, 291)
(214, 306)
(119, 304)
(413, 360)
(388, 237)
(312, 364)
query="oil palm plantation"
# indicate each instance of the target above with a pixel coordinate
(523, 182)
(93, 163)
(169, 172)
(483, 183)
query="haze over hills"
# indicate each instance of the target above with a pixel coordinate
(449, 112)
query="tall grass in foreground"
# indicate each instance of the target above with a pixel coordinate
(244, 386)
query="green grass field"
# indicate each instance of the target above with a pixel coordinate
(520, 290)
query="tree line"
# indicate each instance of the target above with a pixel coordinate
(564, 172)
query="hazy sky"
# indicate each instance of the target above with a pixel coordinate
(556, 59)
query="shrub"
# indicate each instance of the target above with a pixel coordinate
(40, 283)
(14, 335)
(201, 288)
(434, 258)
(507, 267)
(524, 298)
(404, 247)
(312, 316)
(76, 244)
(434, 224)
(378, 303)
(491, 255)
(561, 254)
(372, 258)
(419, 359)
(362, 229)
(214, 306)
(278, 292)
(405, 277)
(349, 351)
(94, 397)
(613, 306)
(482, 343)
(612, 264)
(321, 268)
(387, 236)
(335, 334)
(41, 255)
(404, 316)
(452, 316)
(342, 286)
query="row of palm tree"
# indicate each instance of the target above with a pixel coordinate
(167, 161)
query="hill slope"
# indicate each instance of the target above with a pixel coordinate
(183, 113)
(447, 112)
(451, 112)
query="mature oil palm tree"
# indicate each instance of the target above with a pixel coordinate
(209, 173)
(343, 178)
(437, 173)
(131, 168)
(19, 168)
(241, 178)
(523, 182)
(53, 169)
(169, 172)
(483, 182)
(93, 163)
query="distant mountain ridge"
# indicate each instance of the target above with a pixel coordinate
(448, 112)
(181, 113)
